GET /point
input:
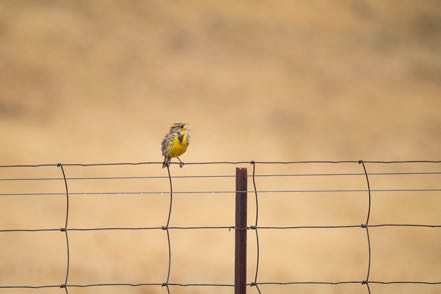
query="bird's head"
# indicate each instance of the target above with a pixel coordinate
(177, 127)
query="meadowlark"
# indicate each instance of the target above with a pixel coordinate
(175, 143)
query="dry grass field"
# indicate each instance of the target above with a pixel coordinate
(101, 81)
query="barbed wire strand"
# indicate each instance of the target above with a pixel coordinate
(64, 229)
(365, 226)
(256, 221)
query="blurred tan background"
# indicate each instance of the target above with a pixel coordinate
(101, 81)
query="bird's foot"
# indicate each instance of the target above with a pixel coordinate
(181, 163)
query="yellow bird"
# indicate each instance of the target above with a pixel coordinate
(175, 143)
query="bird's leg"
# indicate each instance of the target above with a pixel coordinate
(181, 163)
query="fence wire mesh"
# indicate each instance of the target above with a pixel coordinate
(255, 282)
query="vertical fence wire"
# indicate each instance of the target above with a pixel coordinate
(64, 229)
(254, 227)
(366, 227)
(166, 228)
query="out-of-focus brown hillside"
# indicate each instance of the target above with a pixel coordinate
(95, 81)
(348, 79)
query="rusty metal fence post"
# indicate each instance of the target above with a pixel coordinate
(240, 260)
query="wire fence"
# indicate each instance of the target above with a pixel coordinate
(364, 281)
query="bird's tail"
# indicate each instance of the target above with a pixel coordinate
(166, 161)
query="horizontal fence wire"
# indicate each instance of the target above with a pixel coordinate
(229, 228)
(256, 227)
(217, 163)
(147, 193)
(220, 176)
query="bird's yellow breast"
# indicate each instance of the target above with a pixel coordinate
(179, 144)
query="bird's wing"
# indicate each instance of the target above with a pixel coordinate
(166, 143)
